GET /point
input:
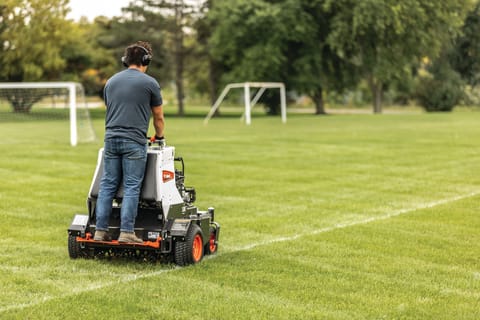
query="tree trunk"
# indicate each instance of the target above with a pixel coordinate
(318, 101)
(22, 100)
(376, 88)
(179, 56)
(213, 80)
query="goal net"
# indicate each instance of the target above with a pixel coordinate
(248, 101)
(61, 102)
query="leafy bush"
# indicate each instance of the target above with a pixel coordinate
(440, 90)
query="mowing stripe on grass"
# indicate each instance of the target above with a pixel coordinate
(134, 277)
(355, 223)
(125, 279)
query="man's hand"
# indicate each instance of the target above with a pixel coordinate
(160, 140)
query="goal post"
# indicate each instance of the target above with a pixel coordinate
(250, 103)
(18, 93)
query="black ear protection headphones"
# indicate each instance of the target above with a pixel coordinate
(146, 58)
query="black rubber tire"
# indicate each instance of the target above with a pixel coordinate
(211, 248)
(186, 252)
(74, 250)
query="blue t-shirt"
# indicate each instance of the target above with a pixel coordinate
(129, 96)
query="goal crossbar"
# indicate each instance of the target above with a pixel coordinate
(72, 99)
(250, 103)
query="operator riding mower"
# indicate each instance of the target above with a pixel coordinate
(171, 227)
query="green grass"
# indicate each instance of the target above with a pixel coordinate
(336, 217)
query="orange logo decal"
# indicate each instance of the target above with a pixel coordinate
(167, 175)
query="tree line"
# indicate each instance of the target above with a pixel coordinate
(411, 49)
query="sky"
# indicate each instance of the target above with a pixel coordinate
(95, 8)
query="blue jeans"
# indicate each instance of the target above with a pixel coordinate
(125, 159)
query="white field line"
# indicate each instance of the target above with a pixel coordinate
(92, 287)
(134, 277)
(355, 223)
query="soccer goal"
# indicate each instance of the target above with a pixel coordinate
(63, 101)
(249, 102)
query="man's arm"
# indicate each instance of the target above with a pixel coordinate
(158, 120)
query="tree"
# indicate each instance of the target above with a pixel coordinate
(247, 39)
(135, 24)
(32, 34)
(207, 70)
(164, 23)
(282, 40)
(314, 66)
(87, 61)
(440, 87)
(465, 56)
(383, 37)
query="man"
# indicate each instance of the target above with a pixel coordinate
(131, 96)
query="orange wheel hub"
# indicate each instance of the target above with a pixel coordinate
(197, 249)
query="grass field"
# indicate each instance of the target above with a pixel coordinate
(335, 217)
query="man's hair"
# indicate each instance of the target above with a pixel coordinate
(140, 53)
